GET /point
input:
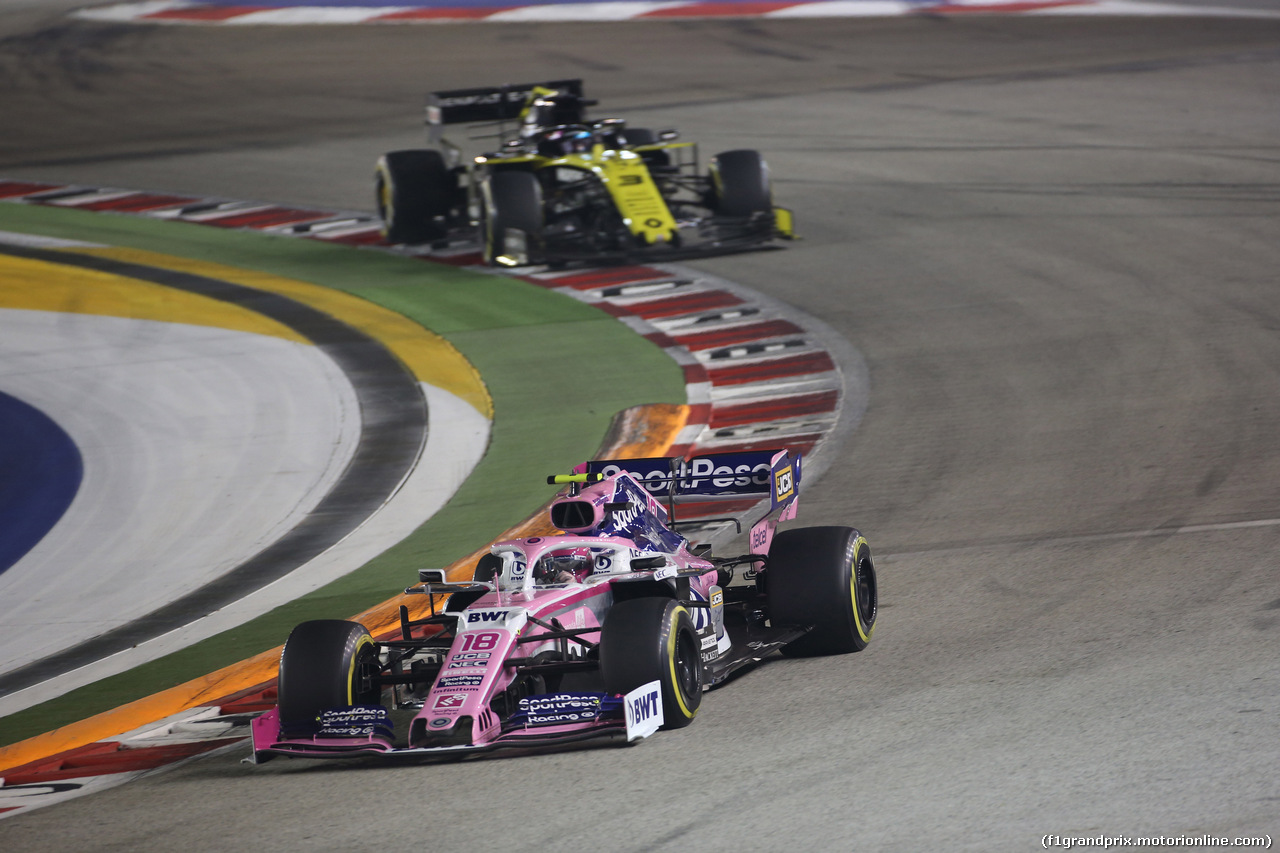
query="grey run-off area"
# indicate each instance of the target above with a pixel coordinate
(1054, 241)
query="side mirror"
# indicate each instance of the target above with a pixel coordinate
(668, 135)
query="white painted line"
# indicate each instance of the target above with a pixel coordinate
(130, 11)
(222, 210)
(34, 241)
(689, 434)
(847, 9)
(93, 197)
(617, 11)
(726, 319)
(804, 384)
(698, 393)
(314, 15)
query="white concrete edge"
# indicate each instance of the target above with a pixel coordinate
(457, 439)
(36, 241)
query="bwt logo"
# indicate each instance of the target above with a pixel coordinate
(644, 710)
(474, 616)
(644, 707)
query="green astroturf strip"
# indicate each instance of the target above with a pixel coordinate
(558, 370)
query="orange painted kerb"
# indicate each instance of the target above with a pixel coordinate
(637, 433)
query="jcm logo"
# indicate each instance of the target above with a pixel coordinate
(783, 484)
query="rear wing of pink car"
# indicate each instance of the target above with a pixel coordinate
(774, 474)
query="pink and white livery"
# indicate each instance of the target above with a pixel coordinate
(611, 629)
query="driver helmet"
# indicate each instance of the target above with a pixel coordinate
(564, 140)
(562, 568)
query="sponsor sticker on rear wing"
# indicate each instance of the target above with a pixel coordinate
(743, 473)
(491, 103)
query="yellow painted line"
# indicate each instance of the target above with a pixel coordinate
(429, 357)
(641, 432)
(41, 286)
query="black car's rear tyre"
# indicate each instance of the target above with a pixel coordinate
(512, 200)
(652, 639)
(639, 136)
(415, 192)
(326, 663)
(740, 183)
(823, 576)
(636, 136)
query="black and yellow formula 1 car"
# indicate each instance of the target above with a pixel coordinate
(562, 188)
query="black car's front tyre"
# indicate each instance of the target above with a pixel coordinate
(326, 663)
(511, 232)
(824, 577)
(740, 184)
(415, 193)
(652, 639)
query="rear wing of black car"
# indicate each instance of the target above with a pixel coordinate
(487, 104)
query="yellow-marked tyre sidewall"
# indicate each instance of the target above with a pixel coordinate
(320, 670)
(679, 708)
(364, 646)
(812, 579)
(652, 639)
(385, 197)
(862, 580)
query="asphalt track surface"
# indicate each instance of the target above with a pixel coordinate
(1055, 241)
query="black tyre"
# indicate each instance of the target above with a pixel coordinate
(644, 136)
(415, 194)
(326, 663)
(652, 639)
(740, 183)
(639, 136)
(512, 200)
(823, 576)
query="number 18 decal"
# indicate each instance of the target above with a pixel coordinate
(480, 641)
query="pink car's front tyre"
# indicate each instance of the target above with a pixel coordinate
(652, 639)
(326, 663)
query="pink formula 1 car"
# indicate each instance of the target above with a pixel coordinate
(612, 629)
